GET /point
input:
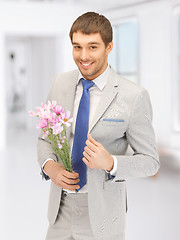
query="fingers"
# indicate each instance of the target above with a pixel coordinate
(86, 162)
(70, 187)
(90, 145)
(65, 179)
(88, 149)
(69, 183)
(70, 180)
(92, 140)
(72, 175)
(86, 155)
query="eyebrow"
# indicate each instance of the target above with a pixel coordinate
(90, 43)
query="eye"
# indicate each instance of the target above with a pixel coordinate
(93, 47)
(77, 47)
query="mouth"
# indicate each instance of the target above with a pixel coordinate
(86, 65)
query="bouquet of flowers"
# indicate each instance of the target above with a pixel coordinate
(53, 121)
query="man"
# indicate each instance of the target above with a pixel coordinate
(116, 113)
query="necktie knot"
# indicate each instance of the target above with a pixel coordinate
(86, 84)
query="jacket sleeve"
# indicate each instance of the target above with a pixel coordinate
(141, 138)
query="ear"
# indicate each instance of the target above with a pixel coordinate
(109, 47)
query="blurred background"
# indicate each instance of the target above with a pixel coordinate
(34, 47)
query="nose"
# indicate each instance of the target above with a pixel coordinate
(84, 55)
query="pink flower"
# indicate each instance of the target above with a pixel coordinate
(42, 123)
(33, 114)
(65, 118)
(54, 119)
(59, 144)
(63, 139)
(49, 105)
(58, 128)
(39, 109)
(46, 114)
(58, 109)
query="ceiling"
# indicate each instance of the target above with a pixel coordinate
(110, 4)
(98, 4)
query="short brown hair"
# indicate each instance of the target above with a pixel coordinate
(92, 22)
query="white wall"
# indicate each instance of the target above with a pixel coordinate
(2, 95)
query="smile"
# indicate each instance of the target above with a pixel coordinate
(86, 65)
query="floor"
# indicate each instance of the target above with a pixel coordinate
(153, 203)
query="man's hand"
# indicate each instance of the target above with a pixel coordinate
(96, 156)
(61, 177)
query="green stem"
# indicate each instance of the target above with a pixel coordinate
(63, 153)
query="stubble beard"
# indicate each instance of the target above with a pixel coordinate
(94, 73)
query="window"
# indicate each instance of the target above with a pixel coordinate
(176, 72)
(177, 89)
(125, 55)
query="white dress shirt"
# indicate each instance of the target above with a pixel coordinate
(96, 92)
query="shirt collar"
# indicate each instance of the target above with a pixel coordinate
(100, 81)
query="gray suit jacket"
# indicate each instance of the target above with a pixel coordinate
(123, 118)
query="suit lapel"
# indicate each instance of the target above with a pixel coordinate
(70, 96)
(109, 94)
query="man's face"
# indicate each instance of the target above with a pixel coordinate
(90, 54)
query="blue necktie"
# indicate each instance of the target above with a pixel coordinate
(81, 131)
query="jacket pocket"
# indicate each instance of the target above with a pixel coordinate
(114, 186)
(113, 122)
